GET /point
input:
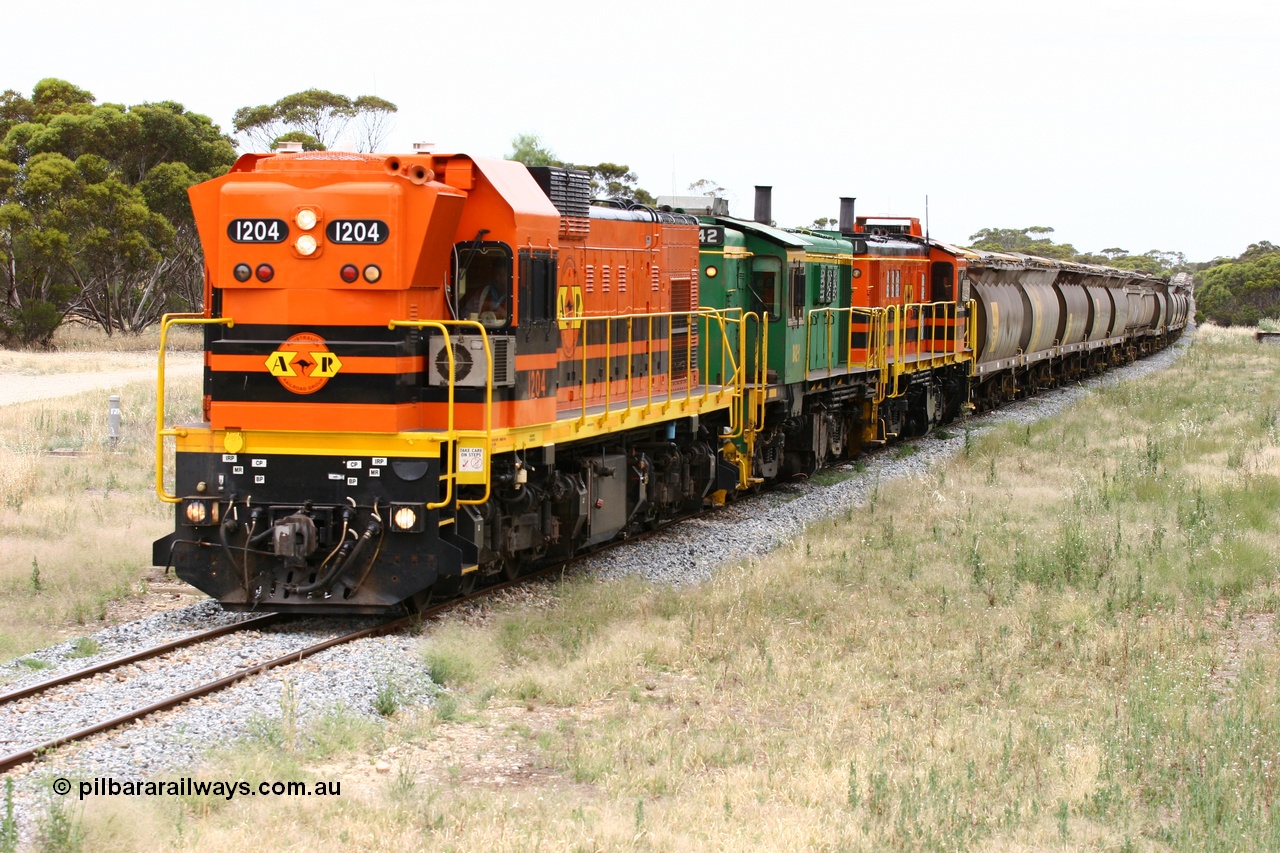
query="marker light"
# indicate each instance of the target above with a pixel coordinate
(306, 219)
(372, 273)
(265, 272)
(306, 245)
(405, 518)
(712, 272)
(242, 272)
(349, 273)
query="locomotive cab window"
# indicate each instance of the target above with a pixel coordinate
(765, 273)
(482, 282)
(537, 287)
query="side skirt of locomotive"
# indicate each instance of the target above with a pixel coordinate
(553, 503)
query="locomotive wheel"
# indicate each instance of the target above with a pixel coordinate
(419, 602)
(510, 568)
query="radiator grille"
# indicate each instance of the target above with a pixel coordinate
(570, 191)
(504, 360)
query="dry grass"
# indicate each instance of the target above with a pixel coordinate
(75, 531)
(77, 338)
(79, 349)
(1063, 639)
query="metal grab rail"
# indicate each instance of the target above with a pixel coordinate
(450, 436)
(165, 322)
(736, 379)
(972, 333)
(898, 334)
(699, 323)
(931, 316)
(829, 317)
(886, 329)
(757, 397)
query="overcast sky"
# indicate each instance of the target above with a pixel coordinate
(1142, 125)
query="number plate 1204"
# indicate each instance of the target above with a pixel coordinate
(258, 230)
(356, 231)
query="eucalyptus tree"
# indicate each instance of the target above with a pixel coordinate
(318, 118)
(94, 217)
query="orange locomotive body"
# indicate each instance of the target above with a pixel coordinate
(911, 281)
(396, 346)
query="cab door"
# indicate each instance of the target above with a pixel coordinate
(766, 286)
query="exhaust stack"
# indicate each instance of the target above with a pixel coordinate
(846, 215)
(764, 205)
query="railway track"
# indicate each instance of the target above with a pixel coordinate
(31, 752)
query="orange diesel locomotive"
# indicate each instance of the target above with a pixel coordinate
(425, 369)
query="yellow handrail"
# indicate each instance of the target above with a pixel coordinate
(451, 435)
(737, 378)
(165, 322)
(691, 369)
(762, 372)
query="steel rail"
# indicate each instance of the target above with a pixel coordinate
(154, 651)
(8, 762)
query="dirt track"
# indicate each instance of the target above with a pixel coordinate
(22, 387)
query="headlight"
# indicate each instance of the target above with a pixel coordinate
(306, 219)
(407, 519)
(306, 245)
(201, 512)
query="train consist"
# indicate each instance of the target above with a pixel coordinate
(428, 370)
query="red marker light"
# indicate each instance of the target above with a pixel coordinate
(265, 272)
(349, 273)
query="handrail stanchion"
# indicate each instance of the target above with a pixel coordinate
(449, 474)
(649, 372)
(627, 413)
(452, 434)
(187, 319)
(830, 318)
(586, 325)
(688, 358)
(608, 367)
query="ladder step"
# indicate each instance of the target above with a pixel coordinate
(445, 521)
(466, 570)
